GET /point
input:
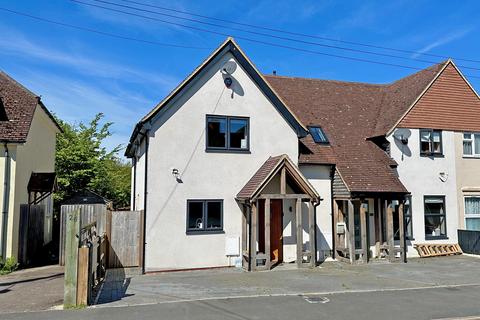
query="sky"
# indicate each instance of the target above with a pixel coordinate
(79, 74)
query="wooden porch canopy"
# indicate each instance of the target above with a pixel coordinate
(277, 179)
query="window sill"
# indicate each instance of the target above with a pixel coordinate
(436, 238)
(199, 232)
(430, 155)
(227, 151)
(470, 157)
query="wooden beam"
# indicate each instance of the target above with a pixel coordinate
(390, 240)
(298, 214)
(283, 196)
(378, 212)
(253, 237)
(268, 258)
(351, 231)
(401, 226)
(311, 234)
(283, 181)
(335, 236)
(82, 277)
(244, 235)
(363, 231)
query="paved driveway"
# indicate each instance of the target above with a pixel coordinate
(329, 278)
(31, 289)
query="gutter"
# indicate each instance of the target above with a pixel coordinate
(6, 192)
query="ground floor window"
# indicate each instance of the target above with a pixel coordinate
(472, 213)
(204, 215)
(435, 217)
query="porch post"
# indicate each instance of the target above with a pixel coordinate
(335, 236)
(299, 232)
(401, 224)
(390, 240)
(311, 234)
(378, 212)
(363, 228)
(267, 234)
(351, 231)
(244, 236)
(253, 237)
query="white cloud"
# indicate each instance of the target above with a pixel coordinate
(447, 38)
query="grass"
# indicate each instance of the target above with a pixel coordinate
(8, 266)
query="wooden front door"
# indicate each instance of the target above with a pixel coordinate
(276, 231)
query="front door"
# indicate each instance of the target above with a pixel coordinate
(276, 231)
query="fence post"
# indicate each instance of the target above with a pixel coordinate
(83, 276)
(71, 256)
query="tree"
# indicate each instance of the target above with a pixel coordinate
(82, 162)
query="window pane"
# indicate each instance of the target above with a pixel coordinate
(477, 144)
(214, 215)
(318, 135)
(238, 133)
(467, 148)
(408, 218)
(437, 142)
(425, 136)
(435, 226)
(216, 132)
(472, 224)
(467, 136)
(472, 205)
(195, 215)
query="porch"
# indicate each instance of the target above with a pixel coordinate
(370, 227)
(277, 190)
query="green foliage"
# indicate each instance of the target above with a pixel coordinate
(82, 162)
(8, 266)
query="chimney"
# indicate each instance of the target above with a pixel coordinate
(274, 72)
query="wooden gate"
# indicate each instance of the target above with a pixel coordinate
(31, 229)
(126, 239)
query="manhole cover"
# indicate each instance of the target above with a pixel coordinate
(315, 299)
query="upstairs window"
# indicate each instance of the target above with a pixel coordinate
(204, 215)
(471, 145)
(227, 133)
(318, 134)
(431, 142)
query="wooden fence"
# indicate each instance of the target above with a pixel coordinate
(88, 213)
(88, 252)
(469, 241)
(30, 235)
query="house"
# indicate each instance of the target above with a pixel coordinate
(237, 167)
(27, 169)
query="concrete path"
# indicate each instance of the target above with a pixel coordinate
(442, 272)
(31, 289)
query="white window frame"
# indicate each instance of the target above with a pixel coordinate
(471, 215)
(475, 153)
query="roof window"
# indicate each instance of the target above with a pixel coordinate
(318, 134)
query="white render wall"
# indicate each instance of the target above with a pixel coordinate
(180, 143)
(421, 176)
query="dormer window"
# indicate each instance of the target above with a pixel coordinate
(318, 134)
(3, 113)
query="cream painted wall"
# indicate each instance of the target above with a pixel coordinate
(421, 176)
(468, 177)
(12, 153)
(177, 140)
(36, 155)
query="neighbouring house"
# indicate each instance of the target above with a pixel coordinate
(235, 167)
(27, 170)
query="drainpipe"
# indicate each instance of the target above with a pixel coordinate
(6, 193)
(145, 198)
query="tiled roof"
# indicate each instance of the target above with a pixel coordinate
(19, 104)
(350, 113)
(259, 177)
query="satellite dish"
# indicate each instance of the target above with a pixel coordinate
(402, 135)
(229, 67)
